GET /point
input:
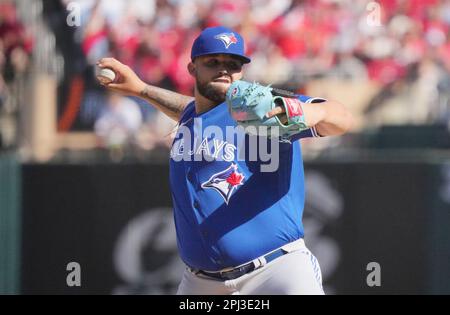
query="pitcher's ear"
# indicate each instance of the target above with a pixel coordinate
(191, 68)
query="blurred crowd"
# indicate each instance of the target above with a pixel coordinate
(293, 39)
(396, 44)
(400, 46)
(15, 50)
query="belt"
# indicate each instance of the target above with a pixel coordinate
(241, 270)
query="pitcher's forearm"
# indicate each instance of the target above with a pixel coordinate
(170, 103)
(337, 119)
(128, 83)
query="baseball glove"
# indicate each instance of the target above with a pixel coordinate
(248, 104)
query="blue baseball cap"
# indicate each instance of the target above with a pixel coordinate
(219, 40)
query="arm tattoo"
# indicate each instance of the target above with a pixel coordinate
(170, 103)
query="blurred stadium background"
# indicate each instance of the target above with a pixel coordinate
(84, 173)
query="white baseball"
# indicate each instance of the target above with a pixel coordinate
(106, 75)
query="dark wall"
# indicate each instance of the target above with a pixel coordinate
(385, 219)
(74, 213)
(115, 221)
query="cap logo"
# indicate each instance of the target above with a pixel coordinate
(227, 39)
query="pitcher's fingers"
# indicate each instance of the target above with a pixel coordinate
(110, 63)
(113, 86)
(275, 111)
(110, 86)
(106, 60)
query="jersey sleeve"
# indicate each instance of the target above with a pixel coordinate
(311, 132)
(187, 112)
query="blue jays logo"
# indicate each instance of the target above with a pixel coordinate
(227, 39)
(225, 182)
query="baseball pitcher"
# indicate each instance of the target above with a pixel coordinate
(239, 226)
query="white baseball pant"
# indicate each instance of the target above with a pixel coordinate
(295, 273)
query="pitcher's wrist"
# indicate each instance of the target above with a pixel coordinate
(142, 90)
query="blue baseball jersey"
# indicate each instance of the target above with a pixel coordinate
(227, 210)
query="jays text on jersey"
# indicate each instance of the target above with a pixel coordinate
(227, 210)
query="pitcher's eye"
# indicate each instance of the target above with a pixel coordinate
(212, 63)
(234, 65)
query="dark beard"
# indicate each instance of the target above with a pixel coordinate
(208, 91)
